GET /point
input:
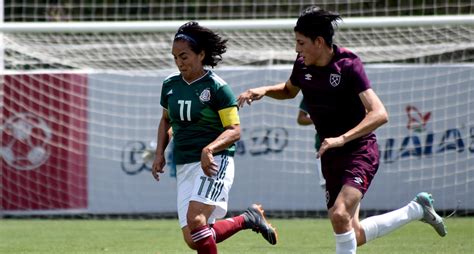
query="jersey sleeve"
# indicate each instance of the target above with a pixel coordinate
(359, 77)
(224, 98)
(164, 96)
(295, 72)
(166, 92)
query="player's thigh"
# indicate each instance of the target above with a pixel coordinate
(214, 191)
(198, 214)
(185, 178)
(345, 207)
(194, 185)
(347, 200)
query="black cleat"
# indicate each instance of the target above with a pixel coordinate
(255, 220)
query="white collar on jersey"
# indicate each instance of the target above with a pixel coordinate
(196, 80)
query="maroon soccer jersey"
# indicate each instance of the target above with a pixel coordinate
(332, 97)
(332, 92)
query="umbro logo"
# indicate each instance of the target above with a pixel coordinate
(358, 180)
(308, 76)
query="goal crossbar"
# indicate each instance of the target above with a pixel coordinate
(243, 24)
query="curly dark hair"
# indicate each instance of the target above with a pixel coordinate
(201, 38)
(314, 22)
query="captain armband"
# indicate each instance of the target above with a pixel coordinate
(229, 116)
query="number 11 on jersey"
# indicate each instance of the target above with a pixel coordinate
(182, 105)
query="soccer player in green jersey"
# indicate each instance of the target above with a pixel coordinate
(305, 119)
(202, 111)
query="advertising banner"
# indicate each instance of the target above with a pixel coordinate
(44, 142)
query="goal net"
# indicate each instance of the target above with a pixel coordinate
(80, 104)
(127, 50)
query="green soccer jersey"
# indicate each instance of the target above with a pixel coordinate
(193, 112)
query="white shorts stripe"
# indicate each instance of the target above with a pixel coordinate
(217, 190)
(217, 186)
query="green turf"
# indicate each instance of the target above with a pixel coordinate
(164, 236)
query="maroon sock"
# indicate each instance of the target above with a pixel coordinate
(205, 243)
(224, 229)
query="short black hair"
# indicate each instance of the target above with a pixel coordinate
(314, 21)
(201, 38)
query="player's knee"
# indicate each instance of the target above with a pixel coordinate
(195, 220)
(340, 218)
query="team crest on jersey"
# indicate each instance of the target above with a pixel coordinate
(205, 95)
(334, 79)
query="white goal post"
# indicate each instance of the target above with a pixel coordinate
(233, 25)
(145, 45)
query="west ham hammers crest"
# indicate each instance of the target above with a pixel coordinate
(334, 79)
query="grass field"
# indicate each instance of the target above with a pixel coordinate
(164, 236)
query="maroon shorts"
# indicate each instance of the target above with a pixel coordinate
(354, 164)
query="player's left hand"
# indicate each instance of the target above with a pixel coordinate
(329, 143)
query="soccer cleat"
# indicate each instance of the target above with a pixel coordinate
(429, 214)
(255, 219)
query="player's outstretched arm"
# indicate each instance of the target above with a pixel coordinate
(279, 91)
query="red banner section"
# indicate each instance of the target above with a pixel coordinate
(44, 142)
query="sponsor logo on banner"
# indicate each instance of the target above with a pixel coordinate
(420, 141)
(255, 142)
(138, 157)
(261, 141)
(416, 120)
(44, 142)
(25, 141)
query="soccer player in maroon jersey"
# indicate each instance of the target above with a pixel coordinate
(345, 111)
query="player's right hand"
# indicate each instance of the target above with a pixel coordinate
(329, 143)
(249, 96)
(158, 166)
(208, 165)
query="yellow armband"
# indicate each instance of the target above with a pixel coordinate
(229, 116)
